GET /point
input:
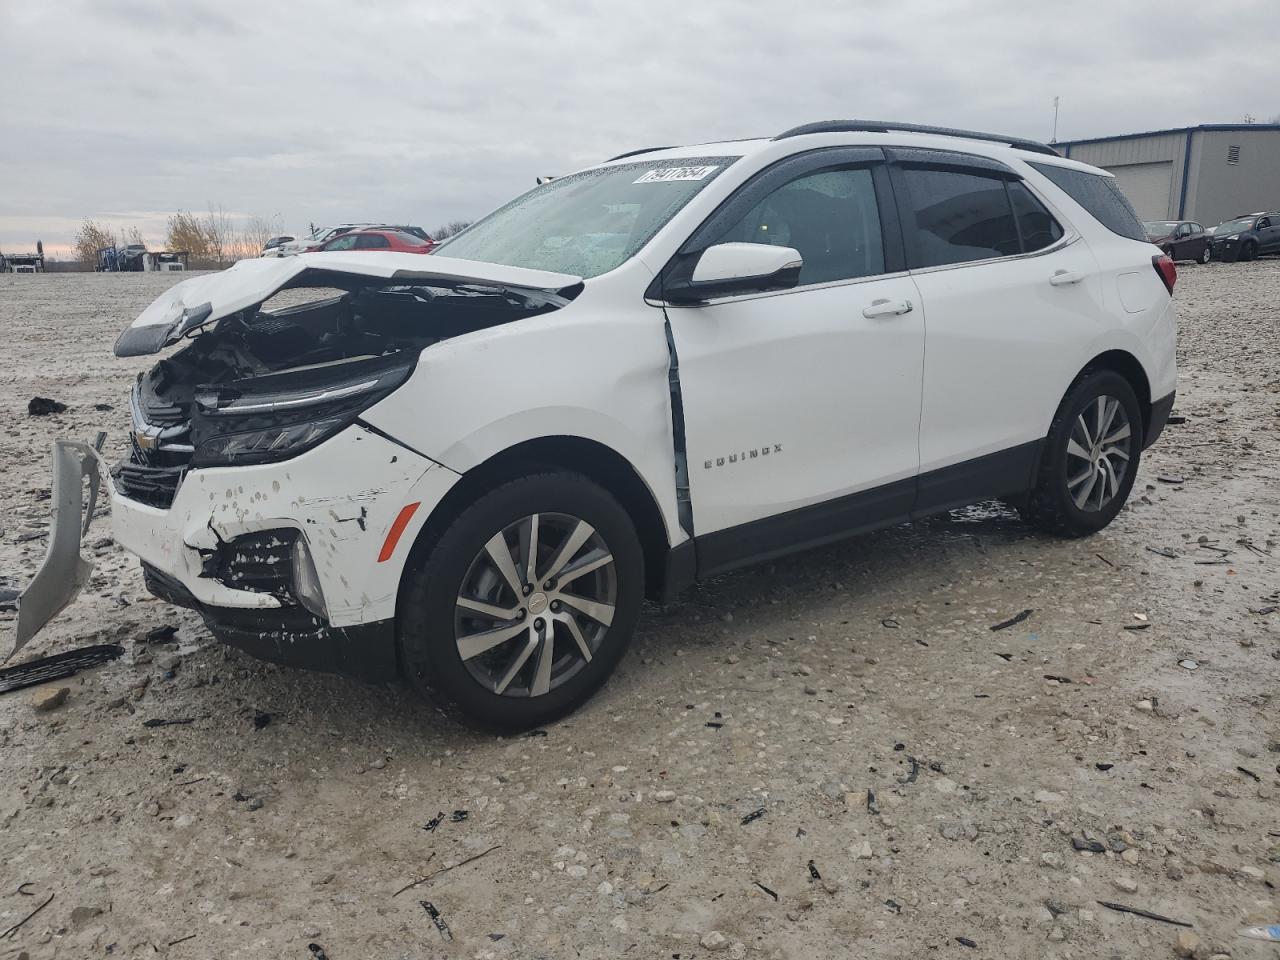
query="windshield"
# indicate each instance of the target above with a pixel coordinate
(1159, 228)
(1234, 226)
(587, 223)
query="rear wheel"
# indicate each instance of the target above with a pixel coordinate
(1090, 457)
(1205, 255)
(525, 604)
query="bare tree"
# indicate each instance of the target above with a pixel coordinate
(446, 230)
(187, 234)
(90, 238)
(254, 234)
(134, 235)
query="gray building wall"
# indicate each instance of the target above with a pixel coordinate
(1149, 168)
(1219, 190)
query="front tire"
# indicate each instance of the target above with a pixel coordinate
(1090, 457)
(1249, 251)
(1206, 255)
(525, 604)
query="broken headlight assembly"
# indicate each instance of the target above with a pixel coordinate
(279, 416)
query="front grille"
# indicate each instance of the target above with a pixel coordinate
(261, 562)
(154, 486)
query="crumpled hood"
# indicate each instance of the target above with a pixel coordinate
(191, 304)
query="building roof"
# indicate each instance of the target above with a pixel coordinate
(1208, 127)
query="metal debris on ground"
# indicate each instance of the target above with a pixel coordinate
(1012, 621)
(1121, 908)
(752, 816)
(1249, 773)
(966, 942)
(813, 872)
(438, 920)
(431, 876)
(430, 825)
(57, 667)
(189, 936)
(890, 622)
(766, 889)
(12, 931)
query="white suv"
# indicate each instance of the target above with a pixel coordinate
(468, 469)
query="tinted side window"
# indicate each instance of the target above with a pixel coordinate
(831, 217)
(1100, 196)
(959, 217)
(1035, 224)
(371, 241)
(342, 243)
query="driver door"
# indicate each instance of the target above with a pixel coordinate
(802, 406)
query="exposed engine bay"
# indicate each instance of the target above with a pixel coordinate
(266, 384)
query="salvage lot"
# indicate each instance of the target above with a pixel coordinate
(713, 799)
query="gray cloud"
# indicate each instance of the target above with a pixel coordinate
(427, 112)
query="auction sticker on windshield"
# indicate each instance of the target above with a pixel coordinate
(669, 174)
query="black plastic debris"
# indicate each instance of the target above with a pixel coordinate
(438, 920)
(753, 816)
(966, 942)
(1093, 846)
(43, 406)
(872, 807)
(430, 825)
(1012, 621)
(1121, 908)
(890, 622)
(317, 951)
(893, 905)
(913, 773)
(771, 893)
(1137, 626)
(1104, 767)
(163, 634)
(103, 407)
(1175, 419)
(261, 719)
(1250, 774)
(168, 722)
(813, 872)
(57, 667)
(458, 816)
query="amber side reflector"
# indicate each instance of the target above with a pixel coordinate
(397, 529)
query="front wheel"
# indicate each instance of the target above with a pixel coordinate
(1090, 457)
(525, 604)
(1206, 255)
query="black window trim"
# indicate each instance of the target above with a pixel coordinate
(783, 170)
(975, 165)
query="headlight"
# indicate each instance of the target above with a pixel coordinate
(282, 415)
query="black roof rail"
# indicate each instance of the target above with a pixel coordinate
(887, 126)
(635, 153)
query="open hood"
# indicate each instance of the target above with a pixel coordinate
(191, 304)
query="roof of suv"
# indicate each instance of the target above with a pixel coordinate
(873, 132)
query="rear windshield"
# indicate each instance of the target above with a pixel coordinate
(587, 223)
(1100, 196)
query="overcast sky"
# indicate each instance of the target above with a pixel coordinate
(422, 112)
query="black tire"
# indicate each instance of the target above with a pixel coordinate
(1050, 505)
(1205, 255)
(1249, 251)
(425, 631)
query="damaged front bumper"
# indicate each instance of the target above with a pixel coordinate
(242, 545)
(64, 572)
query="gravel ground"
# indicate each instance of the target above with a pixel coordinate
(833, 755)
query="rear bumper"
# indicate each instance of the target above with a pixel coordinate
(1160, 410)
(290, 635)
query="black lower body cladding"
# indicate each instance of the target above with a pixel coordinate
(291, 636)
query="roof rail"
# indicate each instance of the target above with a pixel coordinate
(886, 126)
(635, 153)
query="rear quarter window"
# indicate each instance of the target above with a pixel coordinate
(1100, 196)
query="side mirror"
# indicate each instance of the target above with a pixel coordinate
(730, 269)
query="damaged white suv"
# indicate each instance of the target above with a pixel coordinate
(469, 469)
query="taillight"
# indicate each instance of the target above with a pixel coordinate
(1168, 272)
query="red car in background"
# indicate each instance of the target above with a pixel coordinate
(383, 239)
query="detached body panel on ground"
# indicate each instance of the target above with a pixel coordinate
(471, 466)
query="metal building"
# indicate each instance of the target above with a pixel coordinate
(1208, 173)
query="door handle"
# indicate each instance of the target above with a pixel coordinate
(886, 308)
(1063, 278)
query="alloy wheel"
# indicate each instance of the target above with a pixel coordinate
(535, 605)
(1098, 453)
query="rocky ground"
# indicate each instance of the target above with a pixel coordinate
(833, 755)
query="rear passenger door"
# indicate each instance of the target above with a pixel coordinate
(1009, 298)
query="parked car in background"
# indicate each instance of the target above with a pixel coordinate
(470, 470)
(1179, 239)
(317, 239)
(273, 243)
(381, 239)
(1245, 237)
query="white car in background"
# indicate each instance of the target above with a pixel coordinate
(468, 469)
